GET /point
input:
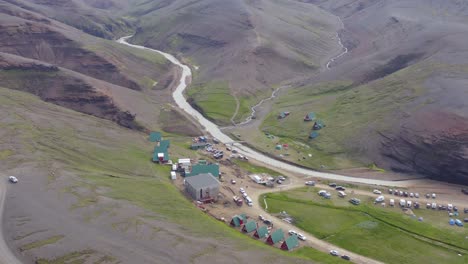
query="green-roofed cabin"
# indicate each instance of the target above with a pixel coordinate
(261, 232)
(290, 243)
(213, 169)
(275, 237)
(237, 220)
(161, 153)
(310, 116)
(155, 136)
(249, 227)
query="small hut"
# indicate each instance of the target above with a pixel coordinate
(275, 237)
(290, 243)
(249, 227)
(261, 232)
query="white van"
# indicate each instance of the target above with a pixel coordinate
(392, 202)
(408, 204)
(402, 202)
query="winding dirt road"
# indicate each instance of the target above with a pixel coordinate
(7, 257)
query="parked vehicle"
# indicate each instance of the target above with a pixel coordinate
(261, 218)
(434, 206)
(396, 192)
(12, 179)
(380, 199)
(402, 202)
(233, 181)
(411, 195)
(428, 195)
(310, 183)
(340, 188)
(428, 206)
(390, 191)
(409, 204)
(416, 205)
(341, 194)
(377, 192)
(334, 253)
(450, 207)
(392, 202)
(355, 201)
(434, 196)
(345, 257)
(400, 193)
(405, 194)
(282, 178)
(332, 185)
(322, 192)
(301, 237)
(241, 190)
(237, 200)
(465, 191)
(458, 222)
(292, 232)
(416, 195)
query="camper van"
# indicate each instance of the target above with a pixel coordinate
(392, 202)
(409, 204)
(402, 202)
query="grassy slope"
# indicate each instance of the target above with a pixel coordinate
(371, 231)
(215, 101)
(103, 154)
(349, 113)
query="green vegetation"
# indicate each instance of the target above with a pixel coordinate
(41, 243)
(111, 161)
(348, 111)
(317, 256)
(382, 234)
(251, 168)
(74, 257)
(5, 153)
(214, 100)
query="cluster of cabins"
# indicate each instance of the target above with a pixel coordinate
(318, 124)
(263, 232)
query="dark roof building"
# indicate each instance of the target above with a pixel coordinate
(198, 145)
(290, 243)
(202, 187)
(275, 237)
(261, 232)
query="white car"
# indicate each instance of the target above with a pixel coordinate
(377, 192)
(13, 179)
(310, 183)
(292, 232)
(334, 253)
(242, 190)
(416, 195)
(301, 237)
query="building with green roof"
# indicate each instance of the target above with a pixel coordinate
(275, 237)
(290, 243)
(261, 232)
(155, 136)
(249, 227)
(161, 152)
(238, 220)
(213, 169)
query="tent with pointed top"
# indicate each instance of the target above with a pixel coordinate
(249, 226)
(275, 237)
(261, 232)
(238, 220)
(313, 135)
(290, 243)
(310, 116)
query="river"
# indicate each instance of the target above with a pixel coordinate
(216, 132)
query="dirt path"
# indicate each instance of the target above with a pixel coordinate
(311, 241)
(235, 112)
(6, 256)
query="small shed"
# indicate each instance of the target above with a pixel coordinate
(275, 237)
(309, 117)
(313, 135)
(249, 227)
(261, 232)
(202, 187)
(290, 243)
(238, 220)
(155, 136)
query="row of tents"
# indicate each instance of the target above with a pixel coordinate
(262, 232)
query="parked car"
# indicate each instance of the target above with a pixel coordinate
(279, 181)
(355, 201)
(390, 191)
(228, 148)
(428, 195)
(405, 194)
(332, 185)
(411, 195)
(392, 202)
(345, 257)
(301, 237)
(322, 192)
(310, 183)
(377, 191)
(241, 190)
(341, 194)
(292, 232)
(396, 192)
(465, 191)
(13, 179)
(400, 193)
(340, 188)
(416, 195)
(465, 210)
(282, 178)
(334, 253)
(233, 181)
(261, 218)
(434, 196)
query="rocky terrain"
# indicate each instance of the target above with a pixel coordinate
(406, 69)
